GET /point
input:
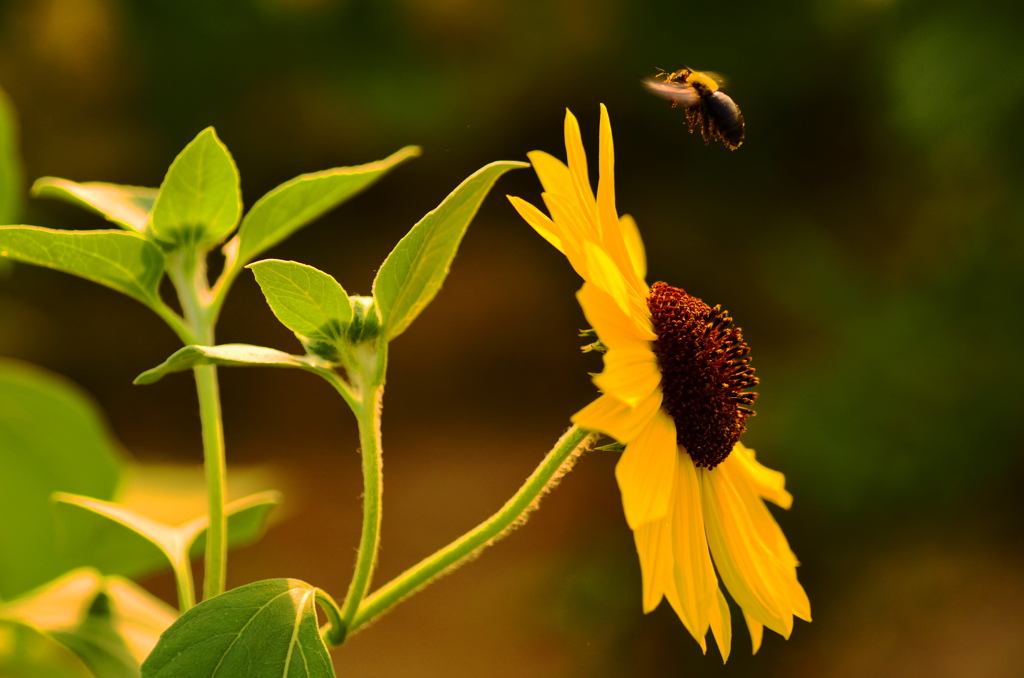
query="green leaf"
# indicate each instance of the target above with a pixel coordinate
(125, 262)
(232, 355)
(111, 623)
(267, 629)
(52, 439)
(412, 274)
(307, 301)
(117, 540)
(26, 652)
(199, 201)
(10, 163)
(299, 201)
(126, 206)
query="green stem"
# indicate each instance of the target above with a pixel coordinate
(368, 416)
(557, 462)
(215, 575)
(187, 271)
(186, 587)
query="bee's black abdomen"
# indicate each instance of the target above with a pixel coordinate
(725, 119)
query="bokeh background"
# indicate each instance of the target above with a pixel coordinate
(867, 236)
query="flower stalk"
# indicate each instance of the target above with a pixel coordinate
(514, 513)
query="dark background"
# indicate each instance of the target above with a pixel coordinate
(867, 236)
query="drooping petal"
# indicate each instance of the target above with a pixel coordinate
(615, 328)
(756, 629)
(768, 483)
(552, 172)
(673, 599)
(646, 472)
(747, 566)
(610, 415)
(768, 530)
(630, 374)
(721, 625)
(694, 574)
(654, 546)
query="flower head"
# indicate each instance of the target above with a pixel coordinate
(674, 392)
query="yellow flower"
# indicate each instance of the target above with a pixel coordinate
(674, 393)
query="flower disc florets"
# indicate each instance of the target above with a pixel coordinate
(705, 367)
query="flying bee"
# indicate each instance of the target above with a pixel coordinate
(707, 106)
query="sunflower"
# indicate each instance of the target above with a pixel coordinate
(675, 394)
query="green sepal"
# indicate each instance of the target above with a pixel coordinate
(126, 206)
(612, 447)
(413, 272)
(267, 629)
(200, 201)
(305, 198)
(125, 262)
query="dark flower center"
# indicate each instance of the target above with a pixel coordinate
(705, 367)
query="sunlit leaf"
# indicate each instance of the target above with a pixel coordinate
(307, 301)
(125, 262)
(109, 622)
(232, 355)
(412, 274)
(267, 629)
(126, 206)
(52, 439)
(117, 540)
(199, 200)
(299, 201)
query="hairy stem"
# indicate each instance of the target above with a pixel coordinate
(369, 543)
(557, 462)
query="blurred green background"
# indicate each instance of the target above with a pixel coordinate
(867, 236)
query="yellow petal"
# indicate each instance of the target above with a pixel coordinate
(768, 483)
(577, 158)
(694, 575)
(646, 472)
(756, 632)
(654, 546)
(606, 274)
(611, 234)
(750, 570)
(610, 415)
(673, 599)
(615, 328)
(552, 172)
(769, 532)
(630, 374)
(721, 625)
(571, 228)
(634, 245)
(538, 220)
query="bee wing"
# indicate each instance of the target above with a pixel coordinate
(676, 92)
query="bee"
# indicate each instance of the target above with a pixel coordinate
(707, 106)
